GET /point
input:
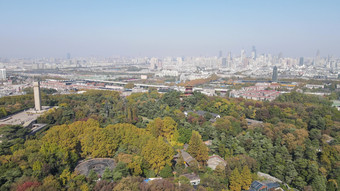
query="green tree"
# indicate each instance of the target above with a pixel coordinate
(182, 180)
(120, 171)
(107, 175)
(290, 172)
(92, 176)
(50, 183)
(319, 183)
(129, 183)
(212, 183)
(184, 135)
(166, 172)
(3, 112)
(172, 98)
(11, 135)
(129, 85)
(332, 185)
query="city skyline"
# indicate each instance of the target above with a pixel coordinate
(168, 28)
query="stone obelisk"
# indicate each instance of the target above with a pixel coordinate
(37, 96)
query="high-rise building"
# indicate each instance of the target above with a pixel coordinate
(253, 53)
(229, 56)
(3, 76)
(274, 77)
(224, 62)
(243, 54)
(301, 61)
(317, 57)
(42, 66)
(68, 56)
(153, 63)
(229, 59)
(37, 96)
(220, 54)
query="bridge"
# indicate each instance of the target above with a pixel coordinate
(124, 83)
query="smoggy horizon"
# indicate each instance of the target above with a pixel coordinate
(168, 28)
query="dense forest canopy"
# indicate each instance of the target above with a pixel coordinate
(298, 141)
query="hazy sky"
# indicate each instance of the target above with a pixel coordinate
(51, 28)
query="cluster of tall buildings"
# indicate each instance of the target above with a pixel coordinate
(3, 75)
(251, 64)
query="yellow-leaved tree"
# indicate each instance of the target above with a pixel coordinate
(246, 178)
(166, 128)
(235, 180)
(197, 148)
(157, 154)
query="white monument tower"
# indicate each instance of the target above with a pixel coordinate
(37, 96)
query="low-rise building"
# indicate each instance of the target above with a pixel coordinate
(214, 116)
(163, 73)
(214, 161)
(336, 103)
(314, 86)
(193, 178)
(208, 142)
(188, 159)
(264, 186)
(261, 95)
(253, 122)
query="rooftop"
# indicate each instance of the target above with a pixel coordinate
(336, 103)
(191, 176)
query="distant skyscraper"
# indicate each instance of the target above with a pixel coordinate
(317, 58)
(229, 59)
(68, 56)
(331, 64)
(220, 53)
(253, 53)
(301, 61)
(224, 62)
(274, 77)
(3, 76)
(243, 54)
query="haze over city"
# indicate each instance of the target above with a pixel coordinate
(168, 28)
(175, 95)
